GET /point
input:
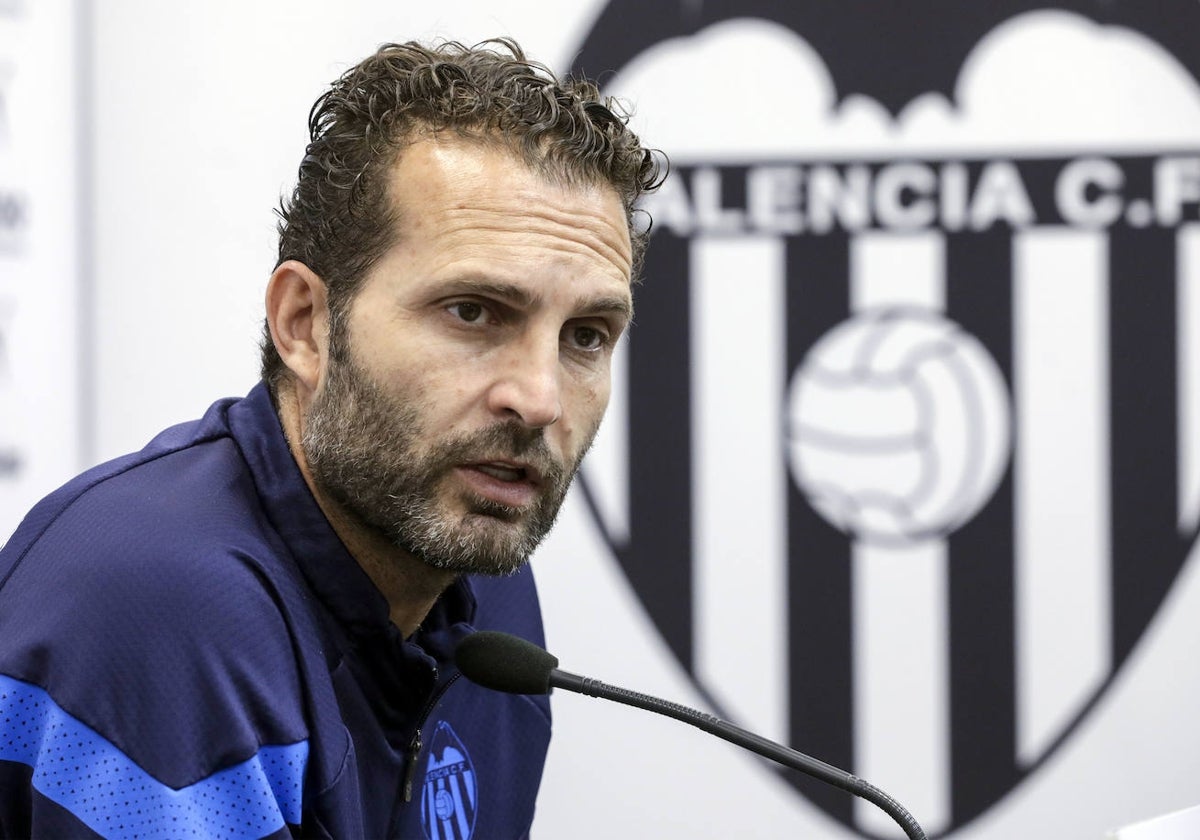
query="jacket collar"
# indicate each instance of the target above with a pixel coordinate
(332, 573)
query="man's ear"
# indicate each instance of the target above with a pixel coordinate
(298, 313)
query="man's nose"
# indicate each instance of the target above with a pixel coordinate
(526, 384)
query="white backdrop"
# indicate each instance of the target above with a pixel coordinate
(198, 115)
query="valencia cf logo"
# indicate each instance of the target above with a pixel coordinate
(449, 796)
(900, 456)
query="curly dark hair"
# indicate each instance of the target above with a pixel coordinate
(340, 221)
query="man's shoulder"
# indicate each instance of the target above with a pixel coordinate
(163, 572)
(186, 491)
(167, 542)
(146, 598)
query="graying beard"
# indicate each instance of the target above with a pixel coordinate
(412, 522)
(458, 547)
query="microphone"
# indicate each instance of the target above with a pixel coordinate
(504, 662)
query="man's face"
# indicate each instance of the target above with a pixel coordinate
(473, 368)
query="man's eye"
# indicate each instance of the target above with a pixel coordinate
(467, 311)
(587, 338)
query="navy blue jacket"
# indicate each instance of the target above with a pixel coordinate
(188, 650)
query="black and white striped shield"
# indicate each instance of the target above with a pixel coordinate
(902, 455)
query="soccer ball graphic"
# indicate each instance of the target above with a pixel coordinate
(898, 426)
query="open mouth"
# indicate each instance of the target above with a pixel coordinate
(510, 483)
(512, 472)
(503, 472)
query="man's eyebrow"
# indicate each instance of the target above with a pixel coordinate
(618, 305)
(622, 307)
(490, 287)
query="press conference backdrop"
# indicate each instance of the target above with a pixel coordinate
(903, 461)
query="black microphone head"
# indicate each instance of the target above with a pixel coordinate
(503, 662)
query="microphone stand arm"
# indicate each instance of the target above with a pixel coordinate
(748, 740)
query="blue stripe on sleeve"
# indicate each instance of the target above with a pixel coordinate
(77, 768)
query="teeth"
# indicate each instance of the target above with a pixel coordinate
(502, 473)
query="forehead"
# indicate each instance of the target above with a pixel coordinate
(450, 192)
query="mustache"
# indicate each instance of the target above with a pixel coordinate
(508, 440)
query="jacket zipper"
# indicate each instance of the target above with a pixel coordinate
(414, 745)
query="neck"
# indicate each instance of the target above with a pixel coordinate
(410, 586)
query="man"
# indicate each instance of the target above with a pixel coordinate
(246, 628)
